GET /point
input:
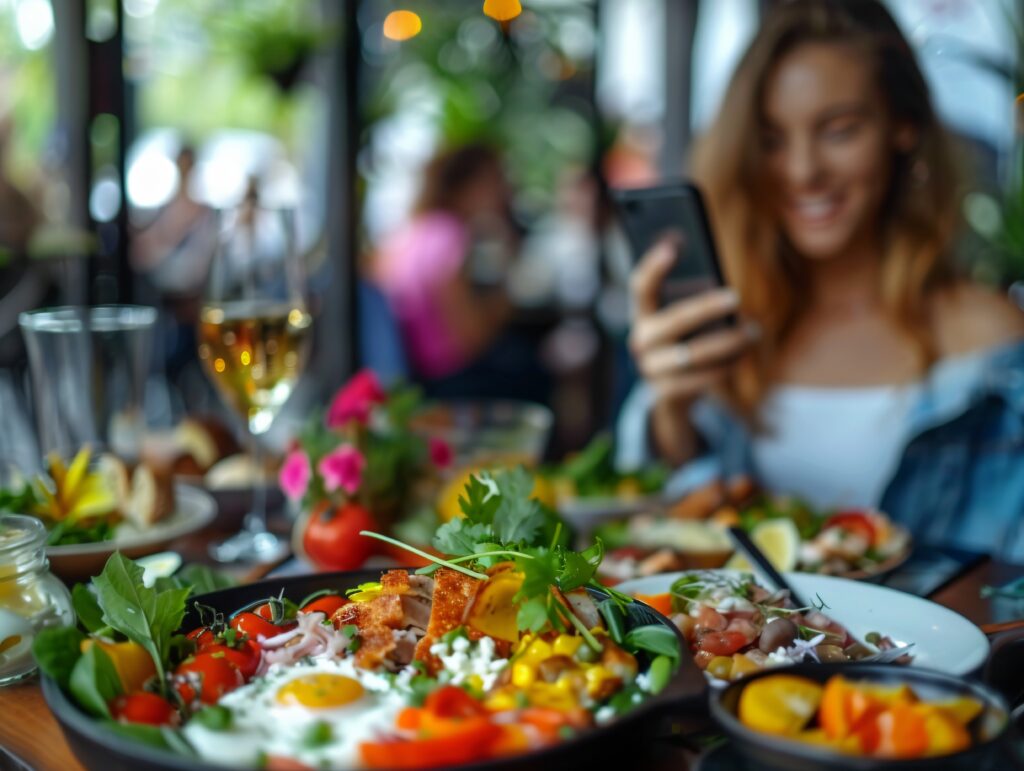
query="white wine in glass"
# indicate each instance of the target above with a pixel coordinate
(254, 336)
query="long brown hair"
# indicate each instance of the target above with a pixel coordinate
(920, 209)
(448, 173)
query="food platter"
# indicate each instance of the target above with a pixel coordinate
(98, 747)
(194, 509)
(943, 640)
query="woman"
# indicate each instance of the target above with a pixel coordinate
(867, 373)
(454, 332)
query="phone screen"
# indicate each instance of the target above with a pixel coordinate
(650, 214)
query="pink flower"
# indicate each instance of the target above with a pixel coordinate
(342, 468)
(441, 454)
(354, 400)
(295, 474)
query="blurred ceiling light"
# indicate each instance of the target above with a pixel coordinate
(34, 19)
(402, 25)
(502, 10)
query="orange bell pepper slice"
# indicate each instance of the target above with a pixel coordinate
(660, 602)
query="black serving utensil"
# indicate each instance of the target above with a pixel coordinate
(749, 550)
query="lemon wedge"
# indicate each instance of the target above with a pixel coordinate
(779, 541)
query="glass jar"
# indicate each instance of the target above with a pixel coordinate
(31, 597)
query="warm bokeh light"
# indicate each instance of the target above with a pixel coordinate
(402, 25)
(502, 10)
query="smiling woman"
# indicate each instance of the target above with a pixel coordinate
(833, 192)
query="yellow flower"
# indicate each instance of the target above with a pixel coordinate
(77, 493)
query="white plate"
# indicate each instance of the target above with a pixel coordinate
(943, 640)
(194, 509)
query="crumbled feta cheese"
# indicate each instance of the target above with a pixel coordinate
(461, 659)
(604, 714)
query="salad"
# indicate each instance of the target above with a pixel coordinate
(735, 627)
(89, 499)
(591, 473)
(790, 533)
(505, 646)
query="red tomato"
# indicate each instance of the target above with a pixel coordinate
(326, 605)
(255, 626)
(245, 658)
(143, 707)
(450, 701)
(332, 539)
(856, 522)
(722, 643)
(216, 676)
(201, 636)
(264, 611)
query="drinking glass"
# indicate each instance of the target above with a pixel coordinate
(254, 335)
(88, 368)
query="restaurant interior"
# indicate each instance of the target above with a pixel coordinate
(512, 383)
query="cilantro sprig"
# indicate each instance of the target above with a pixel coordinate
(501, 522)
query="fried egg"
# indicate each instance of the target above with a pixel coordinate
(315, 712)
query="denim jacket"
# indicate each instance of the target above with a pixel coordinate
(959, 481)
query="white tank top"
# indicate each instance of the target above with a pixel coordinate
(839, 447)
(833, 447)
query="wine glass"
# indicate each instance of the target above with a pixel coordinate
(254, 336)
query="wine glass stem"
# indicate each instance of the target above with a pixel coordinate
(256, 519)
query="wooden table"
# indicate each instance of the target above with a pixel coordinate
(30, 734)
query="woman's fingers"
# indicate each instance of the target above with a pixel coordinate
(689, 385)
(649, 275)
(681, 318)
(695, 354)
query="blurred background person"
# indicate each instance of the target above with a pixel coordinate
(172, 254)
(867, 373)
(443, 274)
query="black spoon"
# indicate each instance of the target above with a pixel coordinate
(749, 550)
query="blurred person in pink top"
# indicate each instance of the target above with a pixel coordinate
(460, 236)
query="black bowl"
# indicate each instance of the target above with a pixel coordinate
(100, 749)
(765, 751)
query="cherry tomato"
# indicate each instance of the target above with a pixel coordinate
(143, 707)
(722, 643)
(326, 605)
(216, 676)
(332, 539)
(245, 657)
(201, 636)
(856, 522)
(249, 623)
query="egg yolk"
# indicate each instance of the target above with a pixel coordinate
(319, 691)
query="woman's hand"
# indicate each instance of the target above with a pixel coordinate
(680, 370)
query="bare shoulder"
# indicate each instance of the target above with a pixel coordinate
(969, 317)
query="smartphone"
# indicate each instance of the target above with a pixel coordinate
(648, 214)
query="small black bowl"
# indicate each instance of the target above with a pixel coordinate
(100, 749)
(765, 751)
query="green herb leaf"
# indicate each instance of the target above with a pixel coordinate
(215, 717)
(660, 673)
(478, 501)
(145, 616)
(460, 537)
(88, 610)
(317, 735)
(155, 736)
(518, 518)
(57, 650)
(653, 638)
(614, 619)
(532, 615)
(94, 681)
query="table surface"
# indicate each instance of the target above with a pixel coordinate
(29, 732)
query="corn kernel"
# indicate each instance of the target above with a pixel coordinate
(501, 699)
(475, 682)
(524, 643)
(523, 674)
(566, 644)
(595, 676)
(564, 683)
(551, 696)
(538, 651)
